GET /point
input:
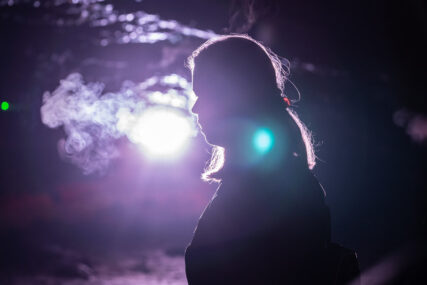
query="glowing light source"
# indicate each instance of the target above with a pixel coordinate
(263, 140)
(162, 132)
(5, 106)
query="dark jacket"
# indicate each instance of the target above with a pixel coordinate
(267, 230)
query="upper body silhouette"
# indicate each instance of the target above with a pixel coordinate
(267, 222)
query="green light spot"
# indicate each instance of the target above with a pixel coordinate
(5, 106)
(263, 140)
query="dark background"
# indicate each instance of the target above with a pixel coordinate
(359, 65)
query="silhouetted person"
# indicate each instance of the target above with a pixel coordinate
(268, 222)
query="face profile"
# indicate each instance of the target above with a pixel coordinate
(229, 86)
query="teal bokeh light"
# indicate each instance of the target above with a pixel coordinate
(263, 140)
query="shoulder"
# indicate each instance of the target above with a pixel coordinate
(303, 186)
(344, 261)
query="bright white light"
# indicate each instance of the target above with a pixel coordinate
(162, 132)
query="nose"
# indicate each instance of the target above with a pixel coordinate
(195, 108)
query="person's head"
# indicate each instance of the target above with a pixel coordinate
(240, 83)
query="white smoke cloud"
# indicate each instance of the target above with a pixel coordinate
(92, 120)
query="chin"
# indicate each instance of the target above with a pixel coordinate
(212, 135)
(203, 132)
(207, 137)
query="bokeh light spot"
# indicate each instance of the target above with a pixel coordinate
(5, 106)
(263, 140)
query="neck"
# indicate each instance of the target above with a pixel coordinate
(271, 165)
(242, 157)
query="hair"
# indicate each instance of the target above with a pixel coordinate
(281, 68)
